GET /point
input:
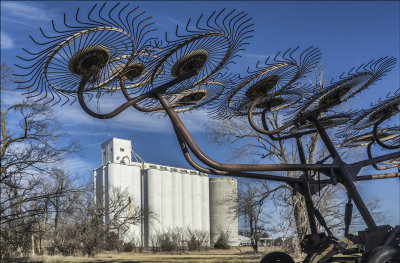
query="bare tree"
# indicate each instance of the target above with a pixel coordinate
(250, 206)
(30, 144)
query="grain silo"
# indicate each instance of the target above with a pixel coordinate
(152, 204)
(205, 204)
(113, 177)
(176, 200)
(196, 200)
(186, 199)
(223, 195)
(170, 197)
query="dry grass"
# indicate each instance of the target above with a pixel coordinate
(233, 255)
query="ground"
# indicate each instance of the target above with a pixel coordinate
(233, 255)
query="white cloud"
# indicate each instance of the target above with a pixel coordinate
(78, 166)
(23, 10)
(6, 41)
(130, 119)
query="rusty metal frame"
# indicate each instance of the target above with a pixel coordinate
(338, 171)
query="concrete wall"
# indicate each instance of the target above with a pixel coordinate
(116, 150)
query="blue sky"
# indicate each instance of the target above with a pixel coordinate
(347, 33)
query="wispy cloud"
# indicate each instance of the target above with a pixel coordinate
(78, 166)
(253, 55)
(24, 11)
(130, 120)
(6, 41)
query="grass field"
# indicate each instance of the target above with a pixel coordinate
(233, 255)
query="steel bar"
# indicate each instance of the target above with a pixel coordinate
(378, 159)
(307, 193)
(368, 177)
(346, 179)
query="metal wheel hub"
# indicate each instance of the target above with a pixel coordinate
(86, 59)
(132, 71)
(261, 87)
(193, 97)
(194, 60)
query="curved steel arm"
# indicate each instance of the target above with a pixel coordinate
(131, 102)
(258, 129)
(279, 138)
(195, 165)
(376, 137)
(139, 108)
(374, 165)
(232, 167)
(110, 114)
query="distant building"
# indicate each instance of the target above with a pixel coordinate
(176, 197)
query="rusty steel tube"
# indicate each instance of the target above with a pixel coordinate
(177, 122)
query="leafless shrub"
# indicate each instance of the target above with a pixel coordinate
(222, 240)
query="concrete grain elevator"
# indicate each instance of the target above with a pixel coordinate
(176, 197)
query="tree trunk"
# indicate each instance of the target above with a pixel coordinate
(300, 216)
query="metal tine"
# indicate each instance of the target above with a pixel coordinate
(198, 26)
(137, 17)
(72, 27)
(209, 19)
(32, 66)
(41, 31)
(275, 58)
(291, 54)
(227, 31)
(349, 72)
(38, 54)
(216, 18)
(58, 96)
(81, 22)
(110, 16)
(386, 66)
(373, 65)
(366, 65)
(40, 44)
(232, 26)
(145, 33)
(127, 18)
(266, 61)
(177, 27)
(102, 18)
(358, 69)
(301, 55)
(65, 97)
(284, 54)
(141, 34)
(240, 32)
(92, 19)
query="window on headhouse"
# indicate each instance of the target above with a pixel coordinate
(121, 149)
